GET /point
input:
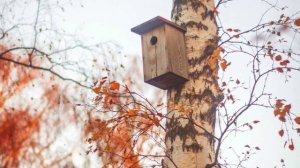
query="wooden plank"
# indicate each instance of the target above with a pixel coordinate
(155, 58)
(153, 23)
(161, 52)
(176, 51)
(149, 58)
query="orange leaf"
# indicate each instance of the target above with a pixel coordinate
(278, 57)
(108, 100)
(132, 113)
(282, 114)
(96, 135)
(279, 69)
(282, 119)
(297, 120)
(277, 112)
(212, 62)
(213, 59)
(281, 132)
(284, 62)
(144, 115)
(156, 121)
(97, 89)
(224, 64)
(104, 90)
(297, 22)
(287, 108)
(114, 86)
(279, 103)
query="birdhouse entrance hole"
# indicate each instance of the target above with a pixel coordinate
(153, 40)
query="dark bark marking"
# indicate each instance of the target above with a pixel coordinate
(206, 96)
(196, 74)
(195, 4)
(178, 95)
(198, 60)
(211, 115)
(198, 25)
(207, 13)
(183, 132)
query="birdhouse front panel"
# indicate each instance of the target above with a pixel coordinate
(155, 59)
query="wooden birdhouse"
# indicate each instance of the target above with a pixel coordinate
(164, 57)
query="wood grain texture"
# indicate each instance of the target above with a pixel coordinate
(155, 58)
(176, 51)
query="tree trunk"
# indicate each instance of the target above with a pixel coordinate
(192, 106)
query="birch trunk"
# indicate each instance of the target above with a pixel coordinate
(189, 145)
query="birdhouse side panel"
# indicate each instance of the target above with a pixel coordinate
(155, 59)
(177, 52)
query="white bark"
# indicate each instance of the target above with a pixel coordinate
(189, 145)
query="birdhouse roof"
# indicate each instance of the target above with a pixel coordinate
(153, 23)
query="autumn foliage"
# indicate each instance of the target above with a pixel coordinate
(9, 71)
(27, 124)
(17, 126)
(284, 114)
(17, 130)
(121, 124)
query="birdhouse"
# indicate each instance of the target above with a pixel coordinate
(164, 57)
